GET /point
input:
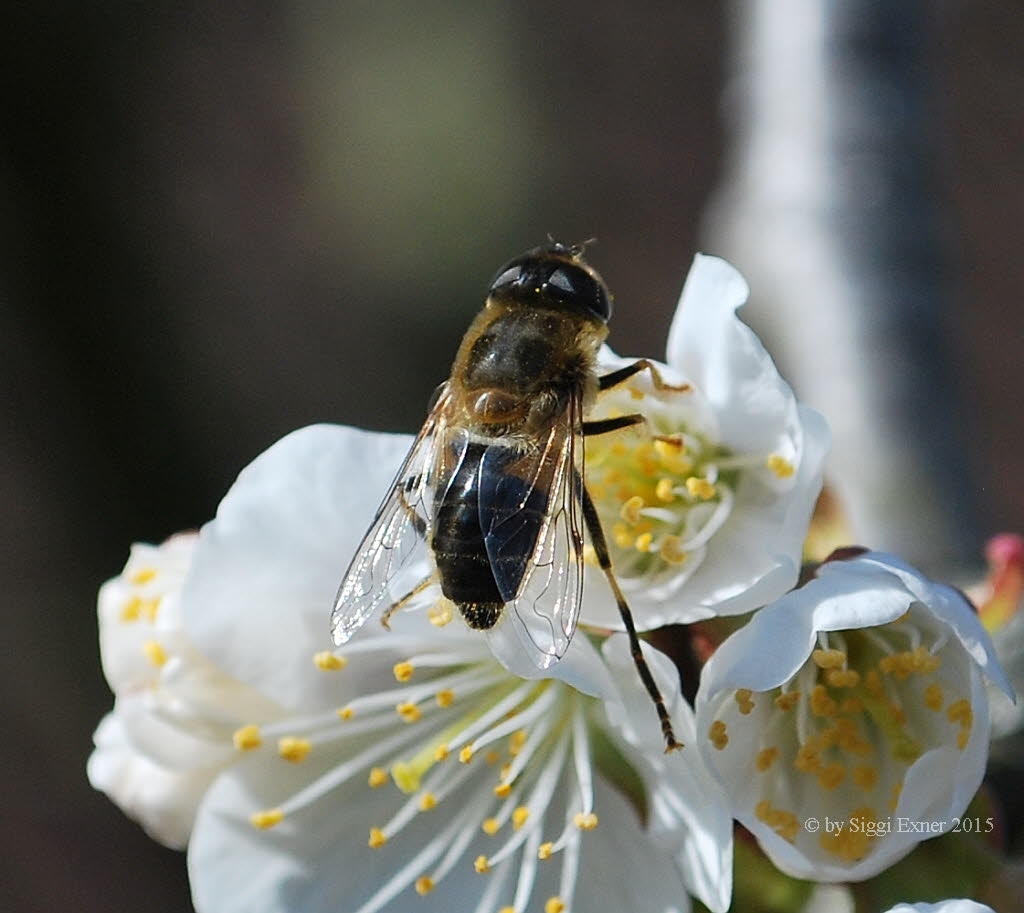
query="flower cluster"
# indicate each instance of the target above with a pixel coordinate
(410, 770)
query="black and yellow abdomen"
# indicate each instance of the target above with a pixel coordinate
(486, 526)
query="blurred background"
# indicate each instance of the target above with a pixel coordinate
(226, 221)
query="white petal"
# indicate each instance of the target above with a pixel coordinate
(689, 810)
(163, 801)
(779, 638)
(953, 608)
(320, 862)
(727, 362)
(755, 557)
(259, 594)
(943, 906)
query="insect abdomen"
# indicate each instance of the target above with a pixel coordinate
(469, 576)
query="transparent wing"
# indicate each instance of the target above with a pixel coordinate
(393, 559)
(531, 516)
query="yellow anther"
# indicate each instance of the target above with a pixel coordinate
(424, 885)
(327, 661)
(622, 536)
(808, 758)
(852, 705)
(378, 777)
(490, 826)
(507, 910)
(831, 775)
(873, 682)
(266, 819)
(554, 905)
(634, 393)
(155, 653)
(842, 678)
(502, 790)
(960, 712)
(664, 490)
(643, 542)
(922, 660)
(744, 700)
(492, 757)
(408, 711)
(466, 755)
(482, 864)
(700, 488)
(441, 752)
(672, 456)
(829, 659)
(247, 738)
(821, 703)
(293, 749)
(427, 802)
(788, 700)
(440, 613)
(762, 810)
(933, 697)
(780, 466)
(630, 510)
(345, 713)
(718, 735)
(544, 850)
(516, 741)
(590, 556)
(898, 665)
(765, 758)
(585, 822)
(671, 551)
(445, 698)
(865, 776)
(520, 816)
(403, 671)
(962, 738)
(505, 770)
(377, 838)
(142, 575)
(132, 609)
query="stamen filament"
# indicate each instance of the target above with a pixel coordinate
(413, 869)
(336, 776)
(543, 789)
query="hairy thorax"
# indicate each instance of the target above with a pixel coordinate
(518, 367)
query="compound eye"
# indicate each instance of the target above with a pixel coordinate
(577, 286)
(508, 275)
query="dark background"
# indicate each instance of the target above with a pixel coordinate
(221, 223)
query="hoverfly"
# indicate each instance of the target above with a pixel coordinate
(490, 502)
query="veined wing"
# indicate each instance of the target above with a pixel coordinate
(531, 517)
(393, 558)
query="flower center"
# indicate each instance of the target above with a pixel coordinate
(662, 491)
(840, 735)
(509, 760)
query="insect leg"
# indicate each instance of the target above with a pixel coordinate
(623, 374)
(605, 425)
(385, 619)
(601, 549)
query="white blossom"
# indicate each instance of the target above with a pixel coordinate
(848, 720)
(705, 511)
(943, 906)
(164, 742)
(409, 769)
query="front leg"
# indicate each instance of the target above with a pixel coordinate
(642, 364)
